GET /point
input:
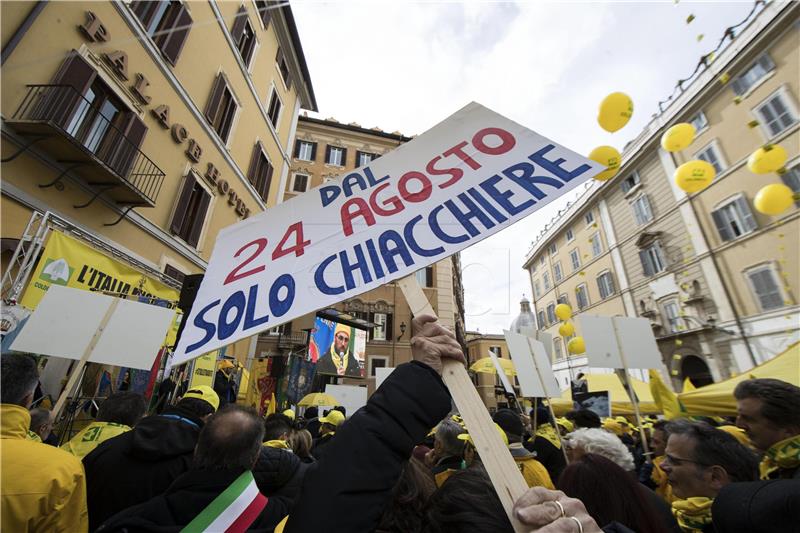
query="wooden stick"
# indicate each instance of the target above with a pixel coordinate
(549, 405)
(76, 371)
(500, 465)
(627, 382)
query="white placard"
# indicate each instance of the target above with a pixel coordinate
(635, 335)
(351, 397)
(542, 336)
(66, 319)
(381, 373)
(502, 373)
(522, 349)
(542, 361)
(465, 179)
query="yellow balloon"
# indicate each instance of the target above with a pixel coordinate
(694, 175)
(576, 345)
(615, 111)
(767, 159)
(773, 199)
(566, 329)
(609, 158)
(678, 137)
(563, 311)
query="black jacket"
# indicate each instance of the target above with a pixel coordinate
(758, 507)
(349, 487)
(318, 448)
(139, 464)
(187, 497)
(551, 457)
(279, 473)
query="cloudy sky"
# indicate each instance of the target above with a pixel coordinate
(547, 65)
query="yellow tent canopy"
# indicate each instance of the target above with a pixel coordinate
(620, 401)
(717, 398)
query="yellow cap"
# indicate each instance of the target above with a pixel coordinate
(609, 424)
(566, 424)
(334, 418)
(468, 438)
(225, 363)
(289, 413)
(205, 393)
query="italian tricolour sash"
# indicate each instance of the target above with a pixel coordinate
(232, 511)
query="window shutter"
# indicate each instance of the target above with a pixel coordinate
(429, 276)
(173, 44)
(723, 228)
(344, 157)
(60, 104)
(252, 172)
(238, 25)
(738, 87)
(646, 263)
(263, 11)
(267, 182)
(200, 217)
(140, 8)
(313, 151)
(748, 219)
(328, 153)
(297, 149)
(124, 153)
(388, 328)
(215, 98)
(183, 203)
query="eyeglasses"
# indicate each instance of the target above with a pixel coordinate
(343, 337)
(670, 460)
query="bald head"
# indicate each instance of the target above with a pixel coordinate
(230, 439)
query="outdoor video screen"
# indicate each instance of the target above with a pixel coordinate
(338, 349)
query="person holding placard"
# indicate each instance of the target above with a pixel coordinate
(533, 471)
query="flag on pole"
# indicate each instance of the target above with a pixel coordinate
(233, 511)
(688, 385)
(665, 399)
(273, 405)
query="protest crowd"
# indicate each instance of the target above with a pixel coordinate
(402, 463)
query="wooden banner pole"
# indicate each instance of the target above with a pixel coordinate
(78, 369)
(549, 406)
(631, 392)
(503, 471)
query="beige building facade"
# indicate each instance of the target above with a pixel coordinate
(717, 279)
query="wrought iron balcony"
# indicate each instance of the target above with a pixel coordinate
(78, 133)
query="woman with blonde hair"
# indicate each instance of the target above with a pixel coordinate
(300, 442)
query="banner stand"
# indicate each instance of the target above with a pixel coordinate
(624, 376)
(503, 471)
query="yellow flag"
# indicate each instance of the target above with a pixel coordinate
(688, 385)
(272, 407)
(665, 399)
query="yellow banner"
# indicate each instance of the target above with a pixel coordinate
(69, 262)
(204, 367)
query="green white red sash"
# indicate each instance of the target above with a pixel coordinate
(232, 511)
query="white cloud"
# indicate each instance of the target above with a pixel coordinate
(406, 66)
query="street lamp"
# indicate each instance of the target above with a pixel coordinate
(402, 330)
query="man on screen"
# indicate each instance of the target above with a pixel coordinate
(339, 360)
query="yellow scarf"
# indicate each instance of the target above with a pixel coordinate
(277, 443)
(783, 454)
(549, 432)
(339, 362)
(693, 514)
(659, 477)
(33, 436)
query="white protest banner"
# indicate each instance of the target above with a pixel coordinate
(463, 180)
(502, 373)
(535, 375)
(634, 340)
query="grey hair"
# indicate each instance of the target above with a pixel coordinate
(601, 442)
(447, 435)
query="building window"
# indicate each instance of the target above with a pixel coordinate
(760, 68)
(575, 259)
(589, 218)
(221, 108)
(631, 181)
(174, 273)
(537, 291)
(764, 283)
(652, 259)
(551, 314)
(541, 260)
(190, 212)
(699, 121)
(264, 7)
(563, 299)
(283, 68)
(541, 320)
(559, 353)
(557, 273)
(792, 180)
(711, 155)
(776, 114)
(243, 35)
(673, 316)
(364, 158)
(167, 23)
(377, 361)
(305, 150)
(734, 219)
(260, 173)
(336, 156)
(605, 283)
(546, 278)
(300, 183)
(497, 350)
(425, 276)
(379, 331)
(552, 249)
(274, 109)
(597, 244)
(570, 235)
(581, 296)
(641, 210)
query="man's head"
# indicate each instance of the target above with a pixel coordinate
(201, 401)
(768, 411)
(509, 422)
(122, 408)
(330, 422)
(277, 427)
(19, 377)
(700, 460)
(584, 418)
(230, 440)
(658, 440)
(341, 338)
(41, 422)
(447, 443)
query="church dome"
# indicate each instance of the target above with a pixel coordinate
(525, 319)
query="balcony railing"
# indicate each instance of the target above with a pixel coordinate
(92, 138)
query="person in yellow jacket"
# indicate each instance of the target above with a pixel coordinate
(42, 488)
(533, 471)
(117, 414)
